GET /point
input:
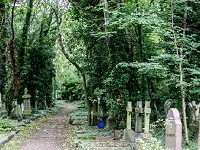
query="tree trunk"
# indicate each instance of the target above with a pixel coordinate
(11, 48)
(3, 45)
(88, 103)
(181, 73)
(106, 16)
(21, 50)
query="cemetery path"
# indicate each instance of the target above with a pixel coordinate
(54, 134)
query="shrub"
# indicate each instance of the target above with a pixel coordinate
(6, 124)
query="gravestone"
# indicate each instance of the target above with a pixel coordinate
(139, 112)
(129, 110)
(95, 111)
(167, 105)
(15, 113)
(99, 106)
(3, 112)
(194, 110)
(173, 130)
(147, 112)
(128, 132)
(27, 104)
(110, 122)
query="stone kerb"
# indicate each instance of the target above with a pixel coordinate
(174, 130)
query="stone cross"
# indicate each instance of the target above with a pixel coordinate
(27, 104)
(147, 112)
(173, 130)
(129, 110)
(139, 111)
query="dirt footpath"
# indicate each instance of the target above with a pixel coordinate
(54, 134)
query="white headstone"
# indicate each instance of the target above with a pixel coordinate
(174, 130)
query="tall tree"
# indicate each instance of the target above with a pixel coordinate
(21, 49)
(3, 46)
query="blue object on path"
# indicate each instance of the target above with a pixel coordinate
(101, 124)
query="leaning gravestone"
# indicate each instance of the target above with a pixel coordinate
(173, 130)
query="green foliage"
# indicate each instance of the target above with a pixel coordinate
(7, 125)
(72, 90)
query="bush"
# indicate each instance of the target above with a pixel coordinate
(6, 125)
(150, 144)
(73, 90)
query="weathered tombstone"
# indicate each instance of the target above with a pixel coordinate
(167, 105)
(173, 130)
(99, 106)
(139, 111)
(15, 113)
(70, 98)
(27, 104)
(22, 109)
(128, 132)
(94, 119)
(129, 111)
(110, 123)
(194, 110)
(36, 105)
(3, 107)
(147, 112)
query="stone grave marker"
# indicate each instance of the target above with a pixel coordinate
(194, 109)
(139, 112)
(27, 104)
(110, 122)
(173, 130)
(3, 112)
(99, 106)
(129, 110)
(147, 112)
(128, 132)
(95, 111)
(167, 105)
(15, 113)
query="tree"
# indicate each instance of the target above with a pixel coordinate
(3, 45)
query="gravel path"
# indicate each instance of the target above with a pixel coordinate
(55, 134)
